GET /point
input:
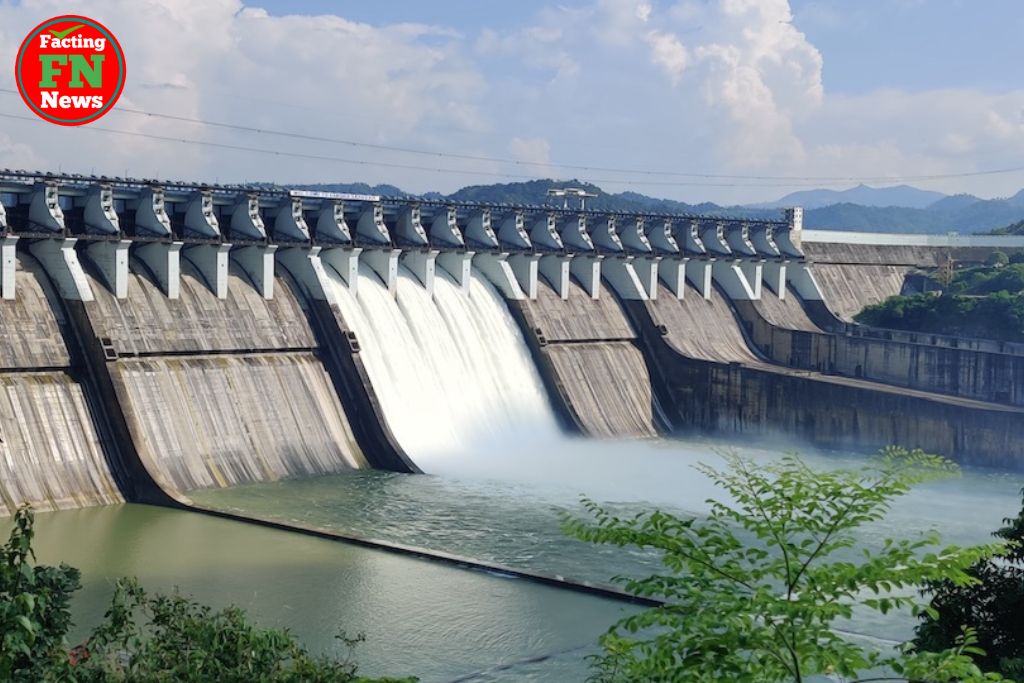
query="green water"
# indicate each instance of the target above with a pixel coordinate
(430, 619)
(515, 520)
(419, 617)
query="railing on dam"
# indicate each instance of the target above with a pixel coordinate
(60, 218)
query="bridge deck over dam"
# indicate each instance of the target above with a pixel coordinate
(183, 336)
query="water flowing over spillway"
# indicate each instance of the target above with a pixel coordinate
(453, 372)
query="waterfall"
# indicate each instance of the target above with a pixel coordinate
(452, 371)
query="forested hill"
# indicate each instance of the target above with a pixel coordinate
(1015, 229)
(961, 213)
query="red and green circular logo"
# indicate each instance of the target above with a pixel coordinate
(70, 70)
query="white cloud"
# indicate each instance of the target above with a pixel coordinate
(532, 150)
(712, 86)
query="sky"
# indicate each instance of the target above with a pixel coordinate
(732, 101)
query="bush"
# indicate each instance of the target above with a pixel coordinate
(992, 606)
(753, 589)
(176, 640)
(997, 258)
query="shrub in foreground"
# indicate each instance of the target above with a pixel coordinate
(753, 590)
(142, 638)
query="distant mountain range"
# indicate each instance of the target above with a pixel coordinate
(900, 195)
(886, 209)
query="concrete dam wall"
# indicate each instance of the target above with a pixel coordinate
(781, 330)
(590, 352)
(711, 381)
(221, 336)
(219, 392)
(51, 453)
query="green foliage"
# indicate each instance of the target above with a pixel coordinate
(753, 589)
(992, 606)
(34, 607)
(997, 258)
(142, 639)
(999, 315)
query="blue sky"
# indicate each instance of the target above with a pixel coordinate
(655, 96)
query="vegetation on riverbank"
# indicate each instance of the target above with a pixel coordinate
(992, 606)
(143, 638)
(985, 302)
(755, 590)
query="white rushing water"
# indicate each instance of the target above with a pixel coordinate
(453, 372)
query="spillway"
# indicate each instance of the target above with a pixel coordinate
(51, 454)
(452, 371)
(849, 288)
(219, 392)
(591, 348)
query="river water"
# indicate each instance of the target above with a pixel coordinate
(464, 399)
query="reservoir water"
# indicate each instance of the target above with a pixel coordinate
(439, 622)
(463, 398)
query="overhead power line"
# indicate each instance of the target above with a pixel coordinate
(752, 180)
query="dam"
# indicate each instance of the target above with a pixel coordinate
(290, 355)
(162, 339)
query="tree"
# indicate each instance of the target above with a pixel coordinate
(180, 640)
(992, 606)
(753, 589)
(997, 258)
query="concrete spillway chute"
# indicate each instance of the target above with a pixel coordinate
(384, 262)
(604, 235)
(633, 235)
(331, 226)
(672, 271)
(211, 260)
(370, 228)
(801, 277)
(44, 210)
(496, 268)
(544, 233)
(422, 263)
(162, 258)
(789, 238)
(459, 265)
(246, 223)
(479, 232)
(698, 273)
(775, 277)
(409, 229)
(712, 236)
(8, 264)
(307, 268)
(151, 217)
(512, 232)
(99, 213)
(345, 262)
(737, 236)
(258, 263)
(574, 234)
(60, 260)
(661, 238)
(444, 229)
(445, 233)
(526, 268)
(111, 259)
(741, 280)
(691, 240)
(762, 236)
(554, 268)
(621, 272)
(289, 221)
(200, 216)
